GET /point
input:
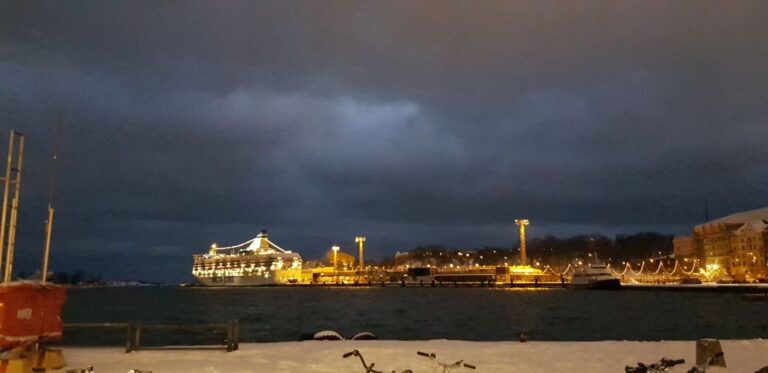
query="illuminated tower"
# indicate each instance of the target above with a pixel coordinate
(360, 240)
(335, 249)
(522, 223)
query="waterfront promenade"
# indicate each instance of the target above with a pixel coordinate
(705, 287)
(498, 357)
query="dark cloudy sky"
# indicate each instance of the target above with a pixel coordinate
(410, 122)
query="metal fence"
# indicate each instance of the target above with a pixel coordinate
(134, 331)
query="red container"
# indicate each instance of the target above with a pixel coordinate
(30, 312)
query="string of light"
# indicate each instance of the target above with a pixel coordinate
(569, 268)
(661, 267)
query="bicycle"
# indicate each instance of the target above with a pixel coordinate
(660, 366)
(369, 368)
(90, 370)
(446, 368)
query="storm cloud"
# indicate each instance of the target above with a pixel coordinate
(411, 123)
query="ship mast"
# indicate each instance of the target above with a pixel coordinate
(8, 223)
(52, 188)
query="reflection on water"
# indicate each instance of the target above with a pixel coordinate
(523, 289)
(481, 314)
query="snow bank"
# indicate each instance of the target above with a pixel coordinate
(325, 356)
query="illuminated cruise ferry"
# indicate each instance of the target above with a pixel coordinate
(595, 276)
(256, 262)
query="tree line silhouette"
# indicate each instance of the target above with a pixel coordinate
(548, 250)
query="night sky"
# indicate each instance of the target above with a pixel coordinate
(411, 123)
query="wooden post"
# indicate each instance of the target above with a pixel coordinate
(128, 347)
(230, 335)
(137, 336)
(237, 334)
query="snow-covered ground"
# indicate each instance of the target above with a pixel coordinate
(326, 356)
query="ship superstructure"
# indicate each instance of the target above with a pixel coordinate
(595, 276)
(256, 262)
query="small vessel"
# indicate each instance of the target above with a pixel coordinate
(256, 262)
(595, 276)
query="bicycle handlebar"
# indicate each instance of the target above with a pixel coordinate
(433, 357)
(672, 362)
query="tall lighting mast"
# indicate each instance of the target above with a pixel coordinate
(360, 240)
(522, 223)
(335, 249)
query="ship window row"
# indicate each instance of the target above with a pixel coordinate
(273, 266)
(230, 271)
(233, 264)
(238, 264)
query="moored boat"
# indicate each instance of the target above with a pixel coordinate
(595, 276)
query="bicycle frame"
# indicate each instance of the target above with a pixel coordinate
(446, 368)
(439, 366)
(369, 368)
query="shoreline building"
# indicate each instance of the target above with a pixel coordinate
(732, 246)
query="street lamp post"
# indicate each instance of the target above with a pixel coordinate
(360, 240)
(335, 249)
(522, 223)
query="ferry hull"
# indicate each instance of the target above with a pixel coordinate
(235, 281)
(610, 284)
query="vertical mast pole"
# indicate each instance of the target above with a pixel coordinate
(48, 231)
(6, 189)
(14, 214)
(49, 221)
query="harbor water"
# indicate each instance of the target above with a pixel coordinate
(274, 314)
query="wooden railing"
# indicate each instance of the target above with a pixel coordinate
(133, 331)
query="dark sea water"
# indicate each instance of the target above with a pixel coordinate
(477, 314)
